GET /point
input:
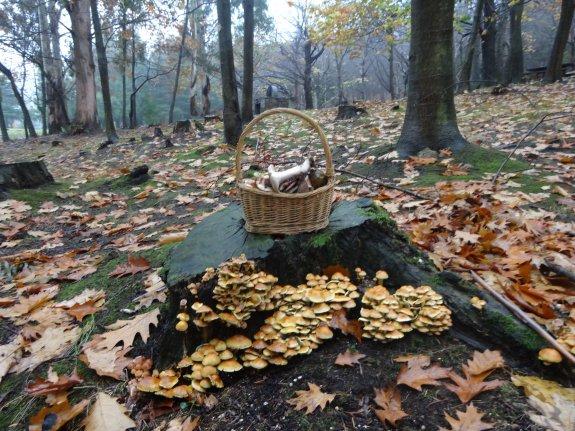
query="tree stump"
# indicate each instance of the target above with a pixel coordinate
(23, 175)
(182, 127)
(359, 235)
(346, 112)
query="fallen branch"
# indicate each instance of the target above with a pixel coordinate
(560, 265)
(518, 144)
(521, 315)
(382, 184)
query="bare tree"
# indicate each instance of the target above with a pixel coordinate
(28, 125)
(248, 84)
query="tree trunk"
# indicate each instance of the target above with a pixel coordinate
(515, 60)
(489, 43)
(61, 119)
(338, 67)
(194, 67)
(553, 72)
(86, 117)
(104, 77)
(392, 94)
(465, 75)
(179, 63)
(28, 125)
(206, 97)
(3, 128)
(308, 64)
(133, 113)
(248, 87)
(430, 118)
(47, 70)
(232, 120)
(123, 62)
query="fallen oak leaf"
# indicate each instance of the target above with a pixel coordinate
(107, 362)
(125, 331)
(107, 414)
(311, 399)
(349, 358)
(49, 386)
(135, 265)
(340, 321)
(415, 374)
(469, 420)
(389, 399)
(556, 416)
(466, 388)
(483, 362)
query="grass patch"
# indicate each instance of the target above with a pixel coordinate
(36, 197)
(482, 161)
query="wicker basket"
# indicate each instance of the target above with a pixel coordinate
(285, 213)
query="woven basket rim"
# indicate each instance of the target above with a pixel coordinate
(255, 191)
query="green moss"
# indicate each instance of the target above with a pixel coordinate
(510, 325)
(321, 239)
(189, 155)
(482, 161)
(379, 215)
(36, 197)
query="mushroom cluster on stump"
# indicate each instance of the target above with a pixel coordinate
(389, 316)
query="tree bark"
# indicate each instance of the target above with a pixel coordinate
(312, 53)
(338, 67)
(28, 125)
(392, 93)
(47, 70)
(231, 114)
(465, 75)
(206, 97)
(430, 118)
(515, 60)
(133, 113)
(86, 117)
(553, 72)
(104, 77)
(489, 42)
(124, 61)
(179, 63)
(3, 128)
(61, 117)
(248, 87)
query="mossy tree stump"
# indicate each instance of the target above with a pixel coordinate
(359, 235)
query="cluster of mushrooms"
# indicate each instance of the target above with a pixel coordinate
(389, 316)
(299, 323)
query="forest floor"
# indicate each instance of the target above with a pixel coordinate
(60, 243)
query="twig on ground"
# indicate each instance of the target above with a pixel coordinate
(521, 315)
(546, 117)
(382, 184)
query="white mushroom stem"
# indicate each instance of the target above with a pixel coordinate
(525, 318)
(278, 177)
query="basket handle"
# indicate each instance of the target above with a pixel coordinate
(315, 126)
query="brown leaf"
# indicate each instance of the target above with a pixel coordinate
(10, 354)
(60, 414)
(483, 362)
(340, 321)
(311, 399)
(125, 331)
(48, 386)
(414, 374)
(469, 420)
(106, 362)
(107, 414)
(332, 269)
(389, 399)
(349, 358)
(470, 386)
(135, 264)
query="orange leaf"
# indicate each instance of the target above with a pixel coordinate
(483, 362)
(311, 399)
(389, 399)
(348, 358)
(415, 374)
(470, 386)
(332, 269)
(348, 327)
(135, 264)
(48, 386)
(59, 415)
(469, 420)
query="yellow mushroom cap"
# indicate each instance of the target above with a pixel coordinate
(182, 326)
(323, 332)
(211, 359)
(183, 316)
(259, 363)
(549, 356)
(238, 342)
(229, 366)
